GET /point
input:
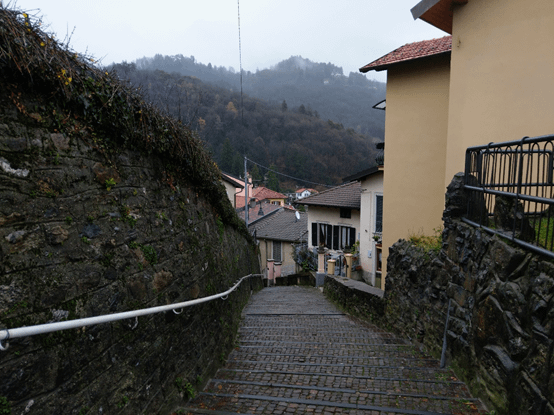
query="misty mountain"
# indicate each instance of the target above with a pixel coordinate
(319, 87)
(292, 140)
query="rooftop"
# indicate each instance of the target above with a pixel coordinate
(437, 12)
(262, 193)
(346, 196)
(365, 173)
(282, 226)
(410, 52)
(253, 213)
(233, 180)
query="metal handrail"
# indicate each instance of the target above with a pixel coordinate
(7, 334)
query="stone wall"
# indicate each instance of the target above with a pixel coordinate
(81, 236)
(501, 331)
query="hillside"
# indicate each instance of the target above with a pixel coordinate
(321, 87)
(294, 140)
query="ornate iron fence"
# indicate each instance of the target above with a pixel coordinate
(510, 191)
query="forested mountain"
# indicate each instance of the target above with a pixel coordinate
(321, 87)
(295, 140)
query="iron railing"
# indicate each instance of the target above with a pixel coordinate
(7, 334)
(510, 191)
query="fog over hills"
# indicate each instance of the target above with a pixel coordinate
(305, 119)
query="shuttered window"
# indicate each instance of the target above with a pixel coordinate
(333, 236)
(277, 251)
(379, 214)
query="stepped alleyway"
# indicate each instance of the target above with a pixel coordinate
(298, 354)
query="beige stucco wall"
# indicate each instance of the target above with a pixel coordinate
(415, 152)
(502, 80)
(230, 192)
(370, 187)
(266, 252)
(332, 217)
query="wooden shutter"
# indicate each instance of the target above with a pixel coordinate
(352, 237)
(379, 213)
(336, 232)
(329, 236)
(314, 234)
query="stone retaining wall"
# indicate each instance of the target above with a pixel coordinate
(82, 236)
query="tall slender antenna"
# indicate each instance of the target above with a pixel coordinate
(240, 64)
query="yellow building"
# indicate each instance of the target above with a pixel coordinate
(490, 81)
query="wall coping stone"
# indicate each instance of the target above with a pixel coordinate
(358, 285)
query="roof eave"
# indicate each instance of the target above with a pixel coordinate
(437, 13)
(330, 206)
(386, 66)
(360, 175)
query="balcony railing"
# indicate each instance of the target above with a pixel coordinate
(510, 191)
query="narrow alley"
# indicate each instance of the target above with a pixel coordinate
(297, 354)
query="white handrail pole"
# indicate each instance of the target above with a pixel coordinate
(7, 334)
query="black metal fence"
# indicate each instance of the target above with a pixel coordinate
(510, 191)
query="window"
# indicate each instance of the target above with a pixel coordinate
(345, 213)
(332, 236)
(322, 234)
(379, 214)
(277, 251)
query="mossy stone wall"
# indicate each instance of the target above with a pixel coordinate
(81, 236)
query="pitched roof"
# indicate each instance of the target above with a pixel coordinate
(267, 208)
(233, 180)
(364, 173)
(347, 196)
(261, 193)
(304, 188)
(410, 52)
(282, 226)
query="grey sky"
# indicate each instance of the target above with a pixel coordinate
(347, 33)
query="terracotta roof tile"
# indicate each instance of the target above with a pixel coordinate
(410, 52)
(347, 195)
(261, 193)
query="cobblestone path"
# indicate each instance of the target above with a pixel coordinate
(298, 354)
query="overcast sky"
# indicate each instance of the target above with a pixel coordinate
(347, 33)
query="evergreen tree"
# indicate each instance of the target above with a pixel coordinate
(226, 157)
(272, 179)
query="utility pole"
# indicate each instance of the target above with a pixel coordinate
(245, 193)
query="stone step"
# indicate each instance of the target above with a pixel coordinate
(401, 372)
(389, 360)
(319, 348)
(245, 397)
(442, 385)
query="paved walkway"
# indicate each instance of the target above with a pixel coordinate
(298, 354)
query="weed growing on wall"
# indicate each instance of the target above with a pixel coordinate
(5, 406)
(427, 243)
